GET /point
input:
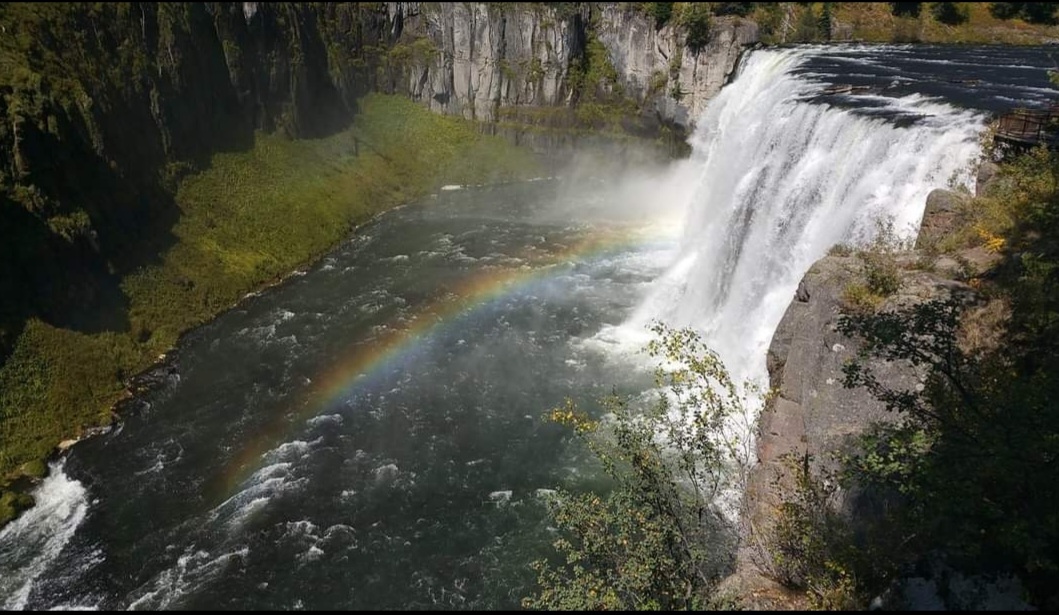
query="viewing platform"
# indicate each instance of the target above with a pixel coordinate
(1023, 129)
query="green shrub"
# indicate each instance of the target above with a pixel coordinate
(881, 272)
(857, 298)
(905, 9)
(652, 542)
(950, 13)
(840, 249)
(661, 11)
(696, 22)
(734, 8)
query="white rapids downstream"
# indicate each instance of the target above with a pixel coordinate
(372, 434)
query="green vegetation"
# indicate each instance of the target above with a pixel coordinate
(810, 542)
(906, 9)
(661, 11)
(655, 541)
(695, 18)
(969, 470)
(1032, 12)
(242, 224)
(12, 503)
(930, 22)
(950, 13)
(880, 273)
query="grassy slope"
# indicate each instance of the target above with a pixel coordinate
(873, 22)
(249, 219)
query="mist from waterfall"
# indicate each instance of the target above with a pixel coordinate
(778, 175)
(779, 179)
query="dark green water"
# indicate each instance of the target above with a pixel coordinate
(371, 435)
(417, 484)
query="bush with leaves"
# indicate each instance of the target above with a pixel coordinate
(810, 546)
(950, 13)
(657, 540)
(974, 457)
(1033, 12)
(695, 18)
(905, 9)
(741, 9)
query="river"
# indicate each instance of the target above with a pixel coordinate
(371, 434)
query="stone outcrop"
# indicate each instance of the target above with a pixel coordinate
(812, 414)
(97, 129)
(643, 54)
(475, 59)
(939, 216)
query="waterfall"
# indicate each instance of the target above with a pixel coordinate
(38, 537)
(777, 176)
(780, 178)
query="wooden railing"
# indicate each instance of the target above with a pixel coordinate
(1029, 126)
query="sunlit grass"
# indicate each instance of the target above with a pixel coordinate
(247, 220)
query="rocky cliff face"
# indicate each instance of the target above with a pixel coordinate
(476, 59)
(643, 55)
(812, 414)
(105, 106)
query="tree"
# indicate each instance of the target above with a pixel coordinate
(657, 540)
(950, 13)
(905, 9)
(974, 457)
(808, 26)
(1033, 12)
(696, 21)
(1006, 10)
(824, 23)
(734, 8)
(661, 11)
(1040, 12)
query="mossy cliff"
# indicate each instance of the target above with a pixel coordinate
(158, 161)
(106, 106)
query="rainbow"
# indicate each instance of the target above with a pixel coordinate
(396, 343)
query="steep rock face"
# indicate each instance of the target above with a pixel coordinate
(106, 106)
(644, 56)
(812, 414)
(939, 216)
(474, 59)
(97, 127)
(479, 58)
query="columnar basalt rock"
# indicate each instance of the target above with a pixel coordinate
(478, 59)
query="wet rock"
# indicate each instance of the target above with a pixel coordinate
(987, 172)
(939, 216)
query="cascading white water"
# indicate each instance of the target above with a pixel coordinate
(38, 536)
(780, 180)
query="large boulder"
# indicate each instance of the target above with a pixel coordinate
(811, 413)
(987, 174)
(940, 216)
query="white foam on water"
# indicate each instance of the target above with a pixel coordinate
(192, 570)
(30, 544)
(777, 181)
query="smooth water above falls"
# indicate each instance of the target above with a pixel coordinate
(371, 433)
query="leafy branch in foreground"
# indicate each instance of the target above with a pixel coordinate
(972, 460)
(658, 539)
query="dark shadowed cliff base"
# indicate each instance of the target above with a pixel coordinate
(162, 159)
